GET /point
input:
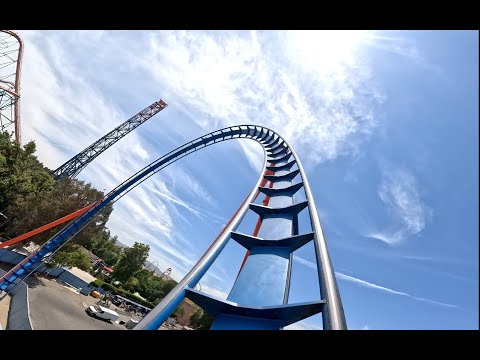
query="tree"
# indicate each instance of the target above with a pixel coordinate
(201, 320)
(152, 287)
(30, 197)
(131, 262)
(70, 257)
(149, 285)
(110, 257)
(179, 312)
(105, 247)
(131, 284)
(21, 174)
(68, 195)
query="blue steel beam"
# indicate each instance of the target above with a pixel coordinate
(266, 317)
(70, 230)
(291, 210)
(280, 160)
(273, 145)
(284, 177)
(289, 190)
(275, 153)
(265, 276)
(274, 149)
(264, 262)
(286, 166)
(292, 242)
(271, 263)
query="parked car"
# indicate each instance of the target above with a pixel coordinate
(102, 313)
(117, 301)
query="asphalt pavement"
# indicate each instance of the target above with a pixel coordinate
(55, 307)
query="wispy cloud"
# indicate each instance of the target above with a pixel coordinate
(71, 97)
(305, 262)
(435, 259)
(191, 186)
(217, 79)
(214, 291)
(390, 237)
(370, 285)
(405, 47)
(72, 114)
(230, 78)
(390, 291)
(399, 192)
(436, 265)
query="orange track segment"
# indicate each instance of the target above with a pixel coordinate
(46, 227)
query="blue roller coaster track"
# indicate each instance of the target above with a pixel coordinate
(259, 296)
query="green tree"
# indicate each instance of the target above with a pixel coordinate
(152, 287)
(21, 174)
(70, 257)
(105, 248)
(110, 257)
(149, 285)
(201, 320)
(131, 262)
(68, 195)
(131, 284)
(167, 286)
(179, 312)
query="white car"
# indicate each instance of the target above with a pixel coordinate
(102, 313)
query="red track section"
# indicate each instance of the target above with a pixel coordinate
(259, 221)
(46, 227)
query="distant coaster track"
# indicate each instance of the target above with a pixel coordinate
(11, 54)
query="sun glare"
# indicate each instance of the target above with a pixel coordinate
(325, 49)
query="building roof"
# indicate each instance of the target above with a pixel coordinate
(106, 268)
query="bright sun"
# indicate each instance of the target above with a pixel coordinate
(323, 50)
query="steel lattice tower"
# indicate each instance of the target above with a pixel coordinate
(77, 163)
(259, 297)
(11, 53)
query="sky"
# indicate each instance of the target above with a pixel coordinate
(384, 122)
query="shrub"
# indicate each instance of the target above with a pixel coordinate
(97, 283)
(121, 292)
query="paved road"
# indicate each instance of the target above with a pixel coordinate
(54, 307)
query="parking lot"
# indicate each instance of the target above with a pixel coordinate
(57, 307)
